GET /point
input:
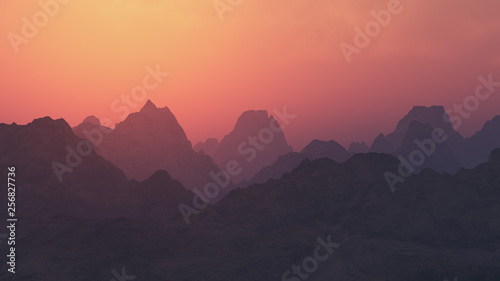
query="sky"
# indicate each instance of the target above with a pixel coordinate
(71, 59)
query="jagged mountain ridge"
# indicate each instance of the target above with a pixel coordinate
(56, 178)
(256, 141)
(152, 140)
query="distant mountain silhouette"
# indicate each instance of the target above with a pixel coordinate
(358, 147)
(432, 115)
(415, 127)
(95, 220)
(434, 225)
(256, 141)
(314, 150)
(479, 145)
(381, 145)
(152, 140)
(90, 185)
(209, 146)
(331, 149)
(432, 214)
(402, 140)
(436, 156)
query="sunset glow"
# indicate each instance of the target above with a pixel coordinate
(263, 55)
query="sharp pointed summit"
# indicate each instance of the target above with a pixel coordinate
(152, 140)
(149, 106)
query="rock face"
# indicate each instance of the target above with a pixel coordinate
(152, 140)
(256, 141)
(209, 146)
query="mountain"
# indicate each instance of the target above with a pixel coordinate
(358, 147)
(314, 150)
(479, 145)
(256, 141)
(417, 126)
(435, 225)
(381, 145)
(421, 149)
(209, 146)
(59, 173)
(411, 139)
(331, 149)
(433, 115)
(148, 141)
(340, 219)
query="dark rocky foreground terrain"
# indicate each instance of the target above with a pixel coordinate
(95, 223)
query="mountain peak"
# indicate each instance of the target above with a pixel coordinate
(358, 147)
(47, 123)
(149, 106)
(252, 118)
(92, 120)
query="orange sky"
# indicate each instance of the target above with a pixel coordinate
(264, 55)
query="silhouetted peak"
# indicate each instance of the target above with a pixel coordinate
(160, 176)
(49, 124)
(495, 122)
(425, 109)
(207, 147)
(358, 147)
(433, 115)
(317, 144)
(92, 120)
(331, 149)
(251, 118)
(381, 145)
(149, 106)
(211, 141)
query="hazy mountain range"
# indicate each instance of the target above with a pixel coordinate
(85, 210)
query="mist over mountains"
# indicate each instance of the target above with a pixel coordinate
(92, 199)
(167, 147)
